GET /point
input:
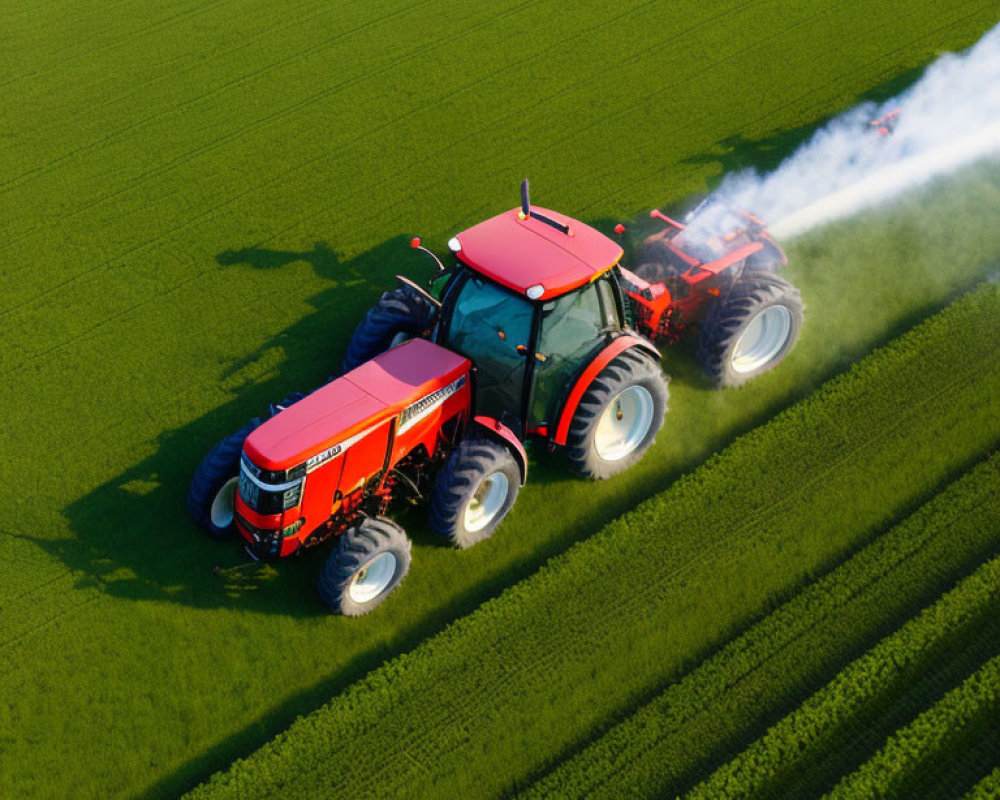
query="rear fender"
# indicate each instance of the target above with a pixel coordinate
(497, 431)
(617, 346)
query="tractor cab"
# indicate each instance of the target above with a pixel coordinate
(532, 301)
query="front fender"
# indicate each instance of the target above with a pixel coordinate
(614, 349)
(496, 430)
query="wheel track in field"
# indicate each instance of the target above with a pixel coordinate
(192, 11)
(744, 538)
(269, 119)
(217, 210)
(19, 180)
(214, 212)
(325, 156)
(772, 112)
(50, 620)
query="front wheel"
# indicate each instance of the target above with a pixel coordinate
(370, 561)
(474, 490)
(751, 330)
(212, 495)
(618, 417)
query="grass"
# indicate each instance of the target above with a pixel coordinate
(201, 199)
(501, 694)
(906, 668)
(723, 705)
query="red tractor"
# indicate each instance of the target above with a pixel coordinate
(528, 335)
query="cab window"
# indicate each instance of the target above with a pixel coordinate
(573, 327)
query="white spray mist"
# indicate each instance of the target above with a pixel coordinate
(949, 118)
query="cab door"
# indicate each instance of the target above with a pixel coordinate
(573, 329)
(491, 326)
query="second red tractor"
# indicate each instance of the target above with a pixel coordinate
(534, 332)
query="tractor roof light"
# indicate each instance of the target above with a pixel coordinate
(536, 291)
(454, 245)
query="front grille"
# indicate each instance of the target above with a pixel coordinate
(263, 542)
(414, 412)
(264, 498)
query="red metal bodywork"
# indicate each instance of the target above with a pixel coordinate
(520, 252)
(667, 308)
(495, 429)
(361, 425)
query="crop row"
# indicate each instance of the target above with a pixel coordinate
(951, 625)
(499, 695)
(799, 644)
(987, 789)
(968, 712)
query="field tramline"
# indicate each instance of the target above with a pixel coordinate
(728, 696)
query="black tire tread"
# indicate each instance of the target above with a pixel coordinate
(401, 310)
(726, 318)
(220, 464)
(356, 547)
(461, 473)
(631, 367)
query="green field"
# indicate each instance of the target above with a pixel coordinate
(201, 199)
(505, 692)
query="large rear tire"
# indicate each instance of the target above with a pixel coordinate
(212, 496)
(370, 561)
(399, 314)
(618, 417)
(751, 330)
(474, 491)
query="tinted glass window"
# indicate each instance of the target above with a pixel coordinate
(573, 327)
(487, 324)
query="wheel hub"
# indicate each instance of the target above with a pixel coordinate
(224, 504)
(487, 501)
(373, 578)
(762, 339)
(624, 423)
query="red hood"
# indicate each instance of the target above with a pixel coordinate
(361, 399)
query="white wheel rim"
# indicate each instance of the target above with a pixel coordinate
(487, 501)
(762, 339)
(224, 504)
(624, 424)
(373, 578)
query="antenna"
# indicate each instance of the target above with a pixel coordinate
(526, 212)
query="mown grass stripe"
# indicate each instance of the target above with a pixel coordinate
(713, 709)
(970, 710)
(828, 718)
(501, 693)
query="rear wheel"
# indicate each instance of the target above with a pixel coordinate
(212, 495)
(399, 314)
(618, 417)
(370, 561)
(752, 330)
(474, 491)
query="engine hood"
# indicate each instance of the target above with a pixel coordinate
(354, 403)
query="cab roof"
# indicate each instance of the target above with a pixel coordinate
(521, 252)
